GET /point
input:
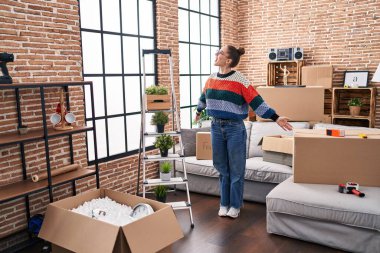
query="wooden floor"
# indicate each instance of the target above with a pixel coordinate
(213, 234)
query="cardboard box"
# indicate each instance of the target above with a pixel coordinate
(317, 75)
(73, 232)
(321, 159)
(298, 104)
(278, 149)
(203, 146)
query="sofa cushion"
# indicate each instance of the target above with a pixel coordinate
(261, 129)
(189, 139)
(256, 169)
(324, 202)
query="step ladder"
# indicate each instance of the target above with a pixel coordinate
(175, 133)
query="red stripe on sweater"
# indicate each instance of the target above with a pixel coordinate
(248, 93)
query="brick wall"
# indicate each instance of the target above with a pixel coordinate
(345, 34)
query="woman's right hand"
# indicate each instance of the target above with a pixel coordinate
(197, 117)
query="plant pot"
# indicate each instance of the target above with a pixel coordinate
(355, 110)
(164, 153)
(160, 128)
(165, 176)
(161, 199)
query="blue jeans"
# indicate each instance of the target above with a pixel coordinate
(228, 140)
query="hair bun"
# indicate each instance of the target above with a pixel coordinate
(241, 50)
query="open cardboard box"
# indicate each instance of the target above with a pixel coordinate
(203, 146)
(278, 149)
(73, 232)
(322, 159)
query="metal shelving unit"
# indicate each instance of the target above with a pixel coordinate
(24, 188)
(174, 133)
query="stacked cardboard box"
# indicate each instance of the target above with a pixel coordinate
(322, 159)
(278, 149)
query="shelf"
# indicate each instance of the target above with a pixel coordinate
(157, 181)
(21, 188)
(76, 174)
(32, 135)
(160, 158)
(171, 133)
(26, 187)
(179, 205)
(153, 111)
(351, 117)
(46, 85)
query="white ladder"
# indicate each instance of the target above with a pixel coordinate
(176, 132)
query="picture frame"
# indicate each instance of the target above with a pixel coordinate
(356, 79)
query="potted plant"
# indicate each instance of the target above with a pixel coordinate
(160, 119)
(355, 105)
(204, 119)
(160, 191)
(165, 169)
(157, 98)
(164, 143)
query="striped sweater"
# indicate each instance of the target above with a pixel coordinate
(227, 96)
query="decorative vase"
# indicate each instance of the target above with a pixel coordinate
(355, 110)
(164, 153)
(165, 176)
(160, 128)
(161, 198)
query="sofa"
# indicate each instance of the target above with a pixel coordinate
(260, 176)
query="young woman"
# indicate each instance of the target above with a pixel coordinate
(226, 96)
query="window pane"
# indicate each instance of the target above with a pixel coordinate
(183, 25)
(184, 83)
(90, 143)
(205, 29)
(129, 16)
(195, 52)
(183, 4)
(114, 87)
(133, 131)
(112, 54)
(92, 53)
(214, 7)
(116, 135)
(111, 15)
(214, 31)
(184, 67)
(98, 96)
(131, 55)
(213, 67)
(195, 89)
(146, 17)
(205, 6)
(101, 138)
(132, 94)
(194, 27)
(149, 59)
(89, 14)
(203, 81)
(185, 118)
(194, 5)
(205, 59)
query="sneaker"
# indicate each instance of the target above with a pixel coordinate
(223, 211)
(233, 212)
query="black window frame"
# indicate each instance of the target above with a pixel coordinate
(122, 75)
(189, 43)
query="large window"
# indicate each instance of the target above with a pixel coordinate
(114, 33)
(198, 41)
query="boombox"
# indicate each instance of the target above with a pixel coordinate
(285, 54)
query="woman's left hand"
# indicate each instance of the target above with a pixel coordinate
(284, 124)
